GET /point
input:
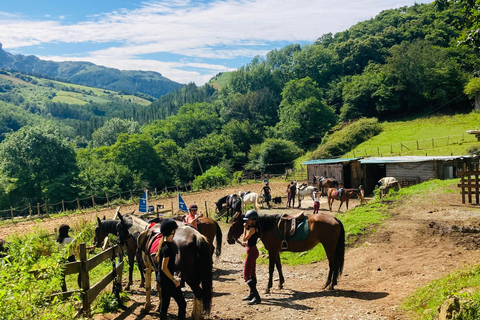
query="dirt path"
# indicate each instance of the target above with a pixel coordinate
(407, 251)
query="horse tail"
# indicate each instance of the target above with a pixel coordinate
(205, 260)
(339, 253)
(218, 239)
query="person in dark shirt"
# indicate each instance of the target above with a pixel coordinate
(251, 234)
(169, 285)
(293, 192)
(267, 194)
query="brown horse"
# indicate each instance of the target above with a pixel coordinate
(324, 183)
(211, 230)
(347, 194)
(324, 229)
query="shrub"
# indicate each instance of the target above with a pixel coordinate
(344, 140)
(213, 177)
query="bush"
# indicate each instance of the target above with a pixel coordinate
(213, 177)
(346, 139)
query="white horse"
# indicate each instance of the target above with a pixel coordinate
(249, 198)
(303, 190)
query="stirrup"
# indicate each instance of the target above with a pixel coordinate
(284, 245)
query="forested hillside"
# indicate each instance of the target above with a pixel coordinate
(88, 74)
(403, 64)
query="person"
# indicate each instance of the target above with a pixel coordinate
(170, 286)
(265, 180)
(316, 201)
(288, 195)
(63, 241)
(192, 216)
(251, 234)
(267, 193)
(293, 192)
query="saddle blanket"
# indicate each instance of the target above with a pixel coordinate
(301, 231)
(154, 247)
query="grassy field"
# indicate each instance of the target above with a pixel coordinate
(434, 136)
(41, 91)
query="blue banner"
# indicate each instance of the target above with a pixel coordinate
(181, 204)
(142, 207)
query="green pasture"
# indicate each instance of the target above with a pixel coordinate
(433, 136)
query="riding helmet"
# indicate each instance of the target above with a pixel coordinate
(251, 214)
(63, 230)
(193, 207)
(167, 227)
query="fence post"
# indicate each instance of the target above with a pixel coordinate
(417, 145)
(84, 278)
(433, 143)
(63, 206)
(131, 195)
(11, 212)
(29, 210)
(206, 209)
(378, 151)
(78, 205)
(38, 208)
(93, 201)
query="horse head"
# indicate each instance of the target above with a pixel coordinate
(100, 233)
(236, 228)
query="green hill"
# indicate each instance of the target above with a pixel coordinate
(86, 73)
(433, 136)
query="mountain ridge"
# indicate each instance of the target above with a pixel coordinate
(90, 74)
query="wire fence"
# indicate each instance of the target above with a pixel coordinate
(409, 147)
(107, 200)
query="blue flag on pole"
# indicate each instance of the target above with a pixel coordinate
(181, 204)
(142, 207)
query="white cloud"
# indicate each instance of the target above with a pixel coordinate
(215, 30)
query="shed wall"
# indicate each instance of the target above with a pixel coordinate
(411, 171)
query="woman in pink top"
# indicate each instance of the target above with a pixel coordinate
(193, 217)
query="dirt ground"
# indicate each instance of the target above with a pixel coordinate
(423, 240)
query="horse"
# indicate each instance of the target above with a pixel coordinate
(387, 183)
(332, 195)
(233, 204)
(324, 229)
(324, 183)
(193, 260)
(210, 230)
(249, 198)
(106, 227)
(304, 190)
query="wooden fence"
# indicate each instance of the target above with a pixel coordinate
(470, 184)
(82, 267)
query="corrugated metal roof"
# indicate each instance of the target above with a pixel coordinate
(404, 159)
(329, 161)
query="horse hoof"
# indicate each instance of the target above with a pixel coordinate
(146, 309)
(267, 291)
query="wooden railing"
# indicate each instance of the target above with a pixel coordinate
(470, 184)
(83, 267)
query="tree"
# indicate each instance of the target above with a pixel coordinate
(107, 135)
(303, 113)
(273, 156)
(41, 165)
(470, 20)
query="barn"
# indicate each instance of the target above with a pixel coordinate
(411, 170)
(346, 171)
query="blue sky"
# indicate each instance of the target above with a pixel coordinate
(186, 41)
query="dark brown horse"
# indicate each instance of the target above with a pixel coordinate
(324, 183)
(346, 195)
(106, 227)
(211, 230)
(233, 203)
(193, 260)
(323, 229)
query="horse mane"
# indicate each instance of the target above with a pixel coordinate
(267, 221)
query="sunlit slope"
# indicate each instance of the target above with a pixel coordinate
(433, 136)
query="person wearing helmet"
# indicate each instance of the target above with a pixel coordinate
(251, 234)
(192, 216)
(169, 285)
(267, 193)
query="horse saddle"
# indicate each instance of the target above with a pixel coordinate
(151, 238)
(339, 192)
(287, 226)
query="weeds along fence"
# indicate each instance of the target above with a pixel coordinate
(408, 147)
(89, 292)
(41, 210)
